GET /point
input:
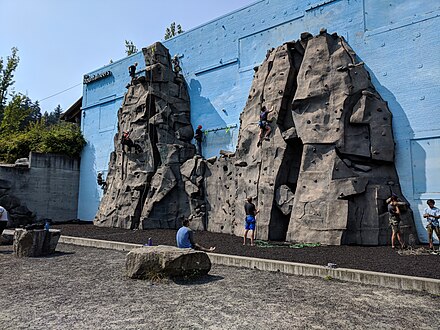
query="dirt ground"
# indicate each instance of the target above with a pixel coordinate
(85, 288)
(379, 259)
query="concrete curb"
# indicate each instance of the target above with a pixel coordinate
(393, 281)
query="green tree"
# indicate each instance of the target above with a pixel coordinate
(63, 138)
(6, 76)
(130, 48)
(53, 117)
(17, 115)
(171, 31)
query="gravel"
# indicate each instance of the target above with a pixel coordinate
(85, 288)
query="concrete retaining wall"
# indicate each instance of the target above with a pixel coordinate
(48, 186)
(401, 282)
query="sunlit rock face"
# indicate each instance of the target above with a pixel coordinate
(144, 186)
(323, 175)
(328, 167)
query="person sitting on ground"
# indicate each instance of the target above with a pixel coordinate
(198, 136)
(3, 219)
(394, 220)
(265, 128)
(432, 214)
(250, 221)
(132, 70)
(185, 239)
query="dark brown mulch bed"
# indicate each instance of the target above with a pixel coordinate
(378, 259)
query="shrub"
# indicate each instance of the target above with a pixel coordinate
(62, 138)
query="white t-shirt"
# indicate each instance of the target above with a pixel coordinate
(434, 211)
(3, 214)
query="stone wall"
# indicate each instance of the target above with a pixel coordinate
(44, 187)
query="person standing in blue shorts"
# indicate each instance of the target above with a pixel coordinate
(250, 221)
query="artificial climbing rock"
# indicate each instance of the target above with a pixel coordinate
(327, 169)
(144, 185)
(323, 175)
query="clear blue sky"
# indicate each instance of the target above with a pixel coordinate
(61, 40)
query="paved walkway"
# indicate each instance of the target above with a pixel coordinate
(85, 288)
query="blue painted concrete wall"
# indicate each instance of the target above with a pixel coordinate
(397, 39)
(101, 101)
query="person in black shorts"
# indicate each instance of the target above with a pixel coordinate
(198, 136)
(394, 220)
(249, 225)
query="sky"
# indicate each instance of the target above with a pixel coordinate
(59, 41)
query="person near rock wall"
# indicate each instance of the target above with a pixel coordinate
(394, 220)
(263, 123)
(250, 220)
(3, 219)
(185, 239)
(127, 141)
(101, 182)
(132, 70)
(198, 136)
(432, 214)
(176, 64)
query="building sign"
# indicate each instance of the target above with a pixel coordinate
(88, 79)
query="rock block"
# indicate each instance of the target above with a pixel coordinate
(150, 262)
(7, 237)
(36, 242)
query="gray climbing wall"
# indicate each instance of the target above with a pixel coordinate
(327, 169)
(322, 176)
(144, 189)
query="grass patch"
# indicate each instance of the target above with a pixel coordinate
(303, 245)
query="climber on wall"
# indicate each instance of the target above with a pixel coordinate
(132, 70)
(127, 141)
(198, 136)
(176, 64)
(264, 125)
(101, 182)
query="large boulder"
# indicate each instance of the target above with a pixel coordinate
(35, 242)
(150, 262)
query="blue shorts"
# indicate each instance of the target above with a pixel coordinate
(249, 223)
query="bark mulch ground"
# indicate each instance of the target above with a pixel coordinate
(378, 258)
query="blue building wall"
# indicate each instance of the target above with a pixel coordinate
(397, 39)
